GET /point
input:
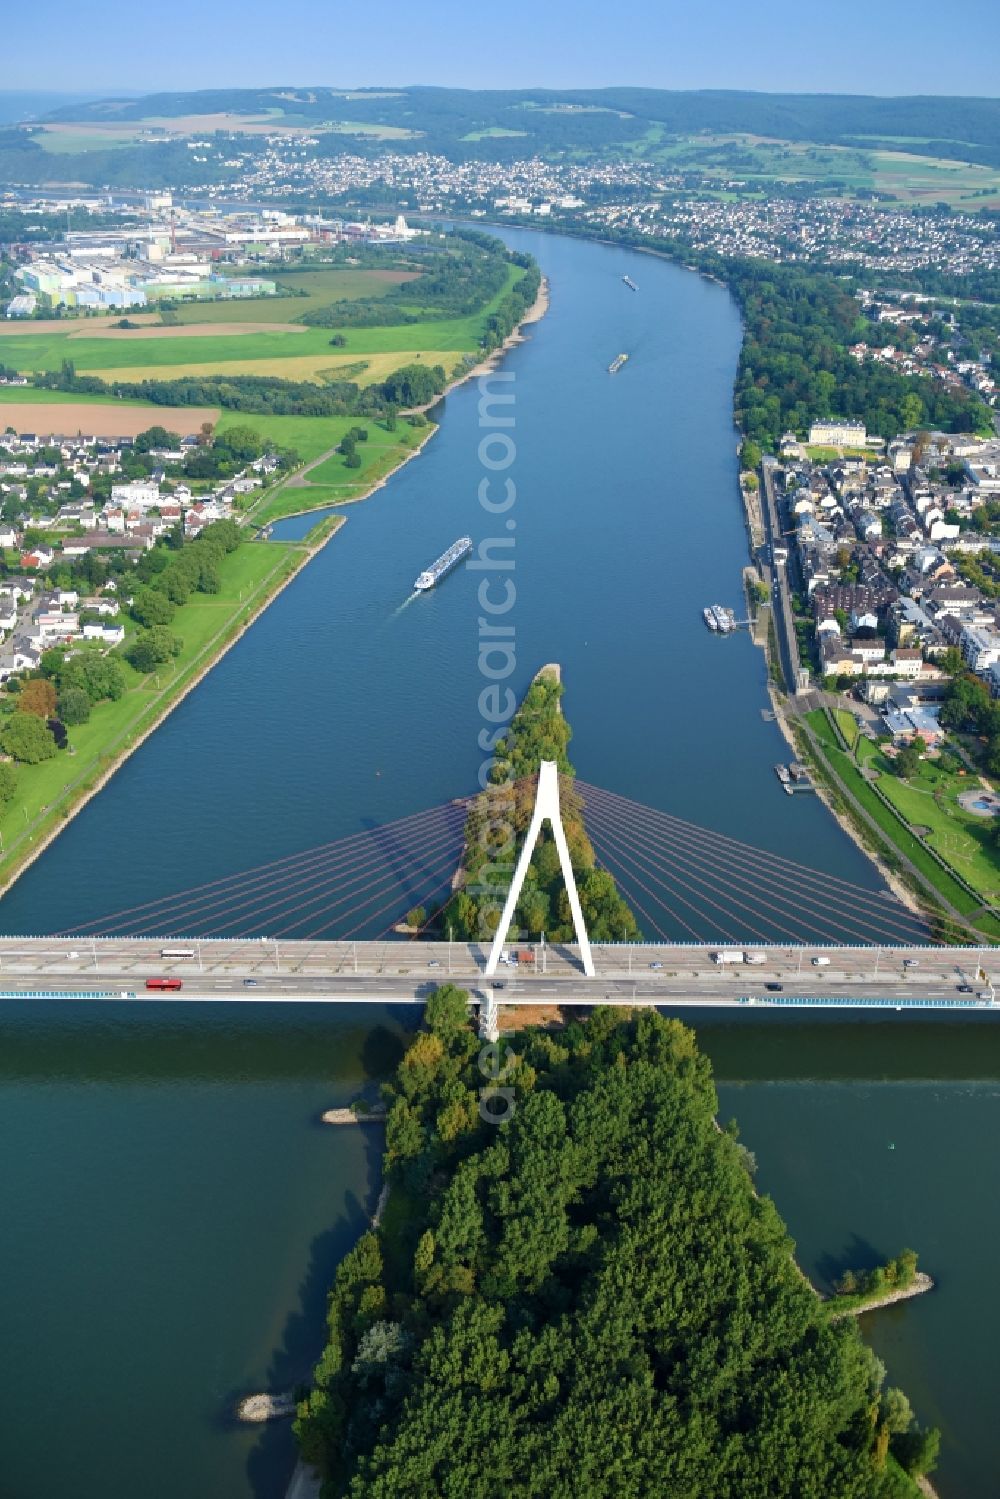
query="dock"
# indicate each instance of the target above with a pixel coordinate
(794, 777)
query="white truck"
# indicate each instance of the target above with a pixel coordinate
(736, 955)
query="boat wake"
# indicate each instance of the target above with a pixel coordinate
(404, 605)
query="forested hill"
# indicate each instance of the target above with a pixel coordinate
(469, 122)
(586, 1300)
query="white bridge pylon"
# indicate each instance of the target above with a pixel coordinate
(546, 806)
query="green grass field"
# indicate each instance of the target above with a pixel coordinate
(46, 792)
(848, 726)
(22, 395)
(332, 482)
(308, 435)
(929, 799)
(322, 287)
(844, 769)
(158, 357)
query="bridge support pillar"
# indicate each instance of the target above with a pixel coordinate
(546, 806)
(489, 1017)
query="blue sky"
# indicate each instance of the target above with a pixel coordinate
(885, 47)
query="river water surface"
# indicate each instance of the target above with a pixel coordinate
(172, 1212)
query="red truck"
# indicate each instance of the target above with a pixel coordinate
(525, 955)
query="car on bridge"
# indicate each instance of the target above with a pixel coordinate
(774, 987)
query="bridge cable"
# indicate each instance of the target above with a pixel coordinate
(667, 845)
(896, 914)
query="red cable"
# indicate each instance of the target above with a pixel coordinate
(857, 891)
(307, 870)
(446, 856)
(336, 872)
(654, 924)
(703, 899)
(663, 844)
(828, 898)
(446, 838)
(308, 854)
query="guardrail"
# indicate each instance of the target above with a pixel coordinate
(813, 1001)
(67, 994)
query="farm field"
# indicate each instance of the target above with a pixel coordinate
(331, 284)
(302, 354)
(318, 368)
(100, 417)
(909, 175)
(33, 327)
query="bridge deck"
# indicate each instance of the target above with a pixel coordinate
(394, 971)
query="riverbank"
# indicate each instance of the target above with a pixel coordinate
(847, 824)
(857, 1306)
(322, 501)
(38, 834)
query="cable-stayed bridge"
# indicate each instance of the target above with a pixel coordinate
(724, 923)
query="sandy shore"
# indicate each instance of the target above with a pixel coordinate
(920, 1285)
(305, 1483)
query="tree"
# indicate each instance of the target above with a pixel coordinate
(897, 1413)
(917, 1450)
(447, 1012)
(52, 661)
(243, 442)
(750, 455)
(156, 437)
(542, 1263)
(38, 696)
(99, 676)
(152, 647)
(416, 917)
(28, 738)
(8, 784)
(151, 607)
(74, 705)
(908, 762)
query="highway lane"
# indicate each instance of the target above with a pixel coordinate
(264, 970)
(698, 988)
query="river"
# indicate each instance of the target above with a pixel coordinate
(172, 1210)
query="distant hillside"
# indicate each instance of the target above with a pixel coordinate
(503, 122)
(16, 105)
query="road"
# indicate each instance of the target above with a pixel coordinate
(265, 971)
(788, 646)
